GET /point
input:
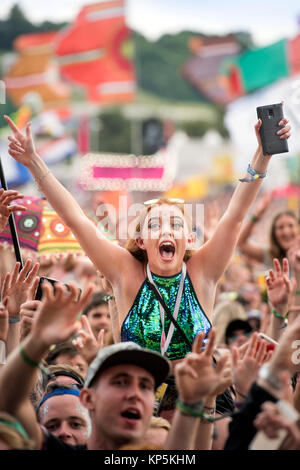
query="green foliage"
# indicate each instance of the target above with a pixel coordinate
(17, 24)
(114, 135)
(195, 128)
(159, 66)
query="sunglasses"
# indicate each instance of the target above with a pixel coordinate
(155, 201)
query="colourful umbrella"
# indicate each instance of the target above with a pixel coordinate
(41, 230)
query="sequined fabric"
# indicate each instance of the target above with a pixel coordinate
(143, 324)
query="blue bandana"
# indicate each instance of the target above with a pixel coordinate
(56, 392)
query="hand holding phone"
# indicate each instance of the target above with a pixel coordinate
(271, 115)
(39, 292)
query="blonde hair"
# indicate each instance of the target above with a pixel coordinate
(224, 312)
(160, 423)
(133, 247)
(12, 433)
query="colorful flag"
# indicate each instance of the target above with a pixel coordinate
(258, 68)
(261, 67)
(202, 70)
(92, 53)
(34, 76)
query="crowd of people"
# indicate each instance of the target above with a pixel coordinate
(154, 345)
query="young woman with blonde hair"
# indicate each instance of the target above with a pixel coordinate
(157, 256)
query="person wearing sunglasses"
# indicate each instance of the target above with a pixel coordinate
(237, 333)
(157, 272)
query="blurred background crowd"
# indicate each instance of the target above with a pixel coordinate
(132, 109)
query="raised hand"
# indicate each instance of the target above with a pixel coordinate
(17, 284)
(6, 197)
(28, 310)
(287, 353)
(224, 380)
(21, 147)
(56, 320)
(280, 287)
(196, 377)
(262, 205)
(284, 133)
(245, 369)
(270, 420)
(86, 343)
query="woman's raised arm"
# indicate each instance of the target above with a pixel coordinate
(109, 258)
(215, 255)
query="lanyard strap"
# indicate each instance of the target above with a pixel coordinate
(164, 343)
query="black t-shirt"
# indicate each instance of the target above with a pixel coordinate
(225, 403)
(241, 428)
(53, 443)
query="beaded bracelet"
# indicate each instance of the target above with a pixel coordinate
(254, 175)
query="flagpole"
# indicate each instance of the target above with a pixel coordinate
(11, 221)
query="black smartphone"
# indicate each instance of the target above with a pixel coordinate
(39, 292)
(270, 116)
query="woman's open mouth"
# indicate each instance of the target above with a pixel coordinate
(167, 250)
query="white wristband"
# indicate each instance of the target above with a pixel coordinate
(2, 352)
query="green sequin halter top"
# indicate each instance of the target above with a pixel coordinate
(143, 326)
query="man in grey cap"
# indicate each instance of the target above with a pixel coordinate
(119, 393)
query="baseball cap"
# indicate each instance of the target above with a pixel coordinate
(129, 353)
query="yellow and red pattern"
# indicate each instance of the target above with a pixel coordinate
(41, 230)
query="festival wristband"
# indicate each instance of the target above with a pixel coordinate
(27, 359)
(14, 319)
(277, 315)
(196, 411)
(254, 175)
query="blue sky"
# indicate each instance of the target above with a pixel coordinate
(266, 20)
